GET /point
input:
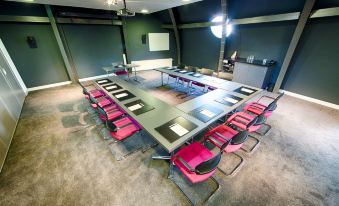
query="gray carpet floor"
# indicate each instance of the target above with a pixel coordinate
(59, 156)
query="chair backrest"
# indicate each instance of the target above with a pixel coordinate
(211, 164)
(191, 69)
(92, 100)
(207, 71)
(225, 75)
(239, 138)
(181, 66)
(111, 126)
(102, 111)
(261, 119)
(273, 105)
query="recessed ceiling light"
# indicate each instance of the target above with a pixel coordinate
(28, 1)
(186, 0)
(144, 11)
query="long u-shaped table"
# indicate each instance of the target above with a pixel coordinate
(172, 126)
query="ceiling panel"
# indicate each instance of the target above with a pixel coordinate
(133, 5)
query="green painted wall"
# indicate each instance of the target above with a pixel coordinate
(93, 47)
(264, 41)
(200, 48)
(314, 69)
(40, 66)
(144, 24)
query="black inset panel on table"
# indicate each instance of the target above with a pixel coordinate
(229, 100)
(205, 113)
(139, 107)
(197, 75)
(245, 90)
(170, 68)
(112, 87)
(103, 81)
(176, 128)
(181, 71)
(123, 95)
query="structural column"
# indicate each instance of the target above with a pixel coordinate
(223, 36)
(305, 14)
(71, 71)
(176, 34)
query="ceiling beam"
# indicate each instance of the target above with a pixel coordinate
(305, 14)
(223, 36)
(72, 73)
(24, 19)
(62, 20)
(328, 12)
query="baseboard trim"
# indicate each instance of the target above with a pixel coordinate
(48, 86)
(310, 99)
(96, 77)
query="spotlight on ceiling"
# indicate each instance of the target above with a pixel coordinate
(144, 11)
(125, 11)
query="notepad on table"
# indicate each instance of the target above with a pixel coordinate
(207, 113)
(178, 129)
(228, 99)
(135, 107)
(111, 87)
(102, 81)
(197, 75)
(247, 90)
(182, 71)
(121, 95)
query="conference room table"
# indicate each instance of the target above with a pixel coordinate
(209, 81)
(171, 126)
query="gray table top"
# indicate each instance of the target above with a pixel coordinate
(163, 112)
(208, 80)
(209, 99)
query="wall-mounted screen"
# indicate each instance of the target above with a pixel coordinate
(158, 41)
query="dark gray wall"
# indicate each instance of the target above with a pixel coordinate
(93, 47)
(200, 48)
(264, 41)
(144, 24)
(314, 70)
(40, 66)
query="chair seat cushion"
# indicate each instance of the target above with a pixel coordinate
(125, 131)
(193, 155)
(103, 102)
(119, 73)
(218, 141)
(96, 94)
(114, 115)
(110, 108)
(198, 84)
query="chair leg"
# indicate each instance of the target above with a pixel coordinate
(254, 148)
(268, 128)
(204, 201)
(236, 168)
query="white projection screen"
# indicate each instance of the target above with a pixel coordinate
(158, 41)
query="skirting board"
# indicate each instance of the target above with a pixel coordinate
(49, 86)
(95, 77)
(152, 64)
(310, 99)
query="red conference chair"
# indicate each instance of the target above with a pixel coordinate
(109, 113)
(222, 134)
(197, 163)
(122, 128)
(203, 86)
(258, 108)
